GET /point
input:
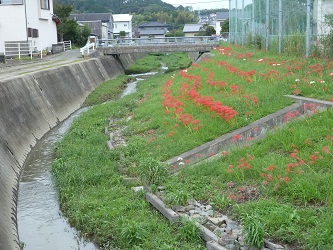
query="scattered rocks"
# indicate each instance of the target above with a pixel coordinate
(228, 232)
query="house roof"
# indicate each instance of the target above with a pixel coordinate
(152, 32)
(122, 17)
(152, 24)
(104, 17)
(222, 15)
(94, 26)
(192, 28)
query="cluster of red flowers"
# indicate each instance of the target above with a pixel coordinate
(172, 103)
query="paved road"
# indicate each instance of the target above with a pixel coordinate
(13, 67)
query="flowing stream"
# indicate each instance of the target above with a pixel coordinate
(41, 225)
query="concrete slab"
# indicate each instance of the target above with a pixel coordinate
(160, 206)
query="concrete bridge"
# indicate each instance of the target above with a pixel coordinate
(166, 44)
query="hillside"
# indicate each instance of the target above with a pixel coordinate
(118, 6)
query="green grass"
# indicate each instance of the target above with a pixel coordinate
(109, 90)
(284, 193)
(153, 62)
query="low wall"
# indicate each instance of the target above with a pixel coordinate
(32, 104)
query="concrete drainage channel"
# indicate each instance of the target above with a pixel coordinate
(220, 232)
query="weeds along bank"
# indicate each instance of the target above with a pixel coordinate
(278, 187)
(31, 105)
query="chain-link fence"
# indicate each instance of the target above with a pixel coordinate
(292, 26)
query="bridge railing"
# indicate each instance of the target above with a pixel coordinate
(156, 41)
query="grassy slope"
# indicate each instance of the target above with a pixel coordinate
(291, 210)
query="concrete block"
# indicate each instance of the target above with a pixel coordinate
(206, 233)
(212, 245)
(160, 206)
(109, 144)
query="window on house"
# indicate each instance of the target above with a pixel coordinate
(125, 25)
(33, 33)
(4, 2)
(45, 4)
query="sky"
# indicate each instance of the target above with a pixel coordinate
(200, 4)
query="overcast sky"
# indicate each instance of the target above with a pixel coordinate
(200, 4)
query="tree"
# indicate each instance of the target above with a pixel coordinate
(207, 30)
(69, 29)
(122, 33)
(225, 26)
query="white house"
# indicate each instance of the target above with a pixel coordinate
(122, 22)
(33, 22)
(320, 9)
(220, 19)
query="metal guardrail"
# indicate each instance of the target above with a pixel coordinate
(86, 49)
(67, 45)
(157, 41)
(22, 49)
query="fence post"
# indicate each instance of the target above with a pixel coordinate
(267, 25)
(242, 28)
(280, 26)
(41, 51)
(308, 27)
(19, 50)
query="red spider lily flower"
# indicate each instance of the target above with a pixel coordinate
(313, 157)
(301, 162)
(250, 157)
(235, 137)
(224, 153)
(296, 92)
(270, 168)
(262, 174)
(241, 160)
(293, 155)
(173, 167)
(247, 165)
(230, 184)
(240, 189)
(286, 179)
(232, 197)
(230, 166)
(325, 150)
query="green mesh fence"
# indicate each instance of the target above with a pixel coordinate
(291, 26)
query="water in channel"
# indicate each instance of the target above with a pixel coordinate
(41, 225)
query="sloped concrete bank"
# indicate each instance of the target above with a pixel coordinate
(32, 104)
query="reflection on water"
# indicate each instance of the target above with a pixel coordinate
(41, 225)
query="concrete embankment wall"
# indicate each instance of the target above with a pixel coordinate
(30, 105)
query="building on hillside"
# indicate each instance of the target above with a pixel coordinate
(190, 30)
(220, 19)
(151, 29)
(100, 24)
(32, 23)
(122, 22)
